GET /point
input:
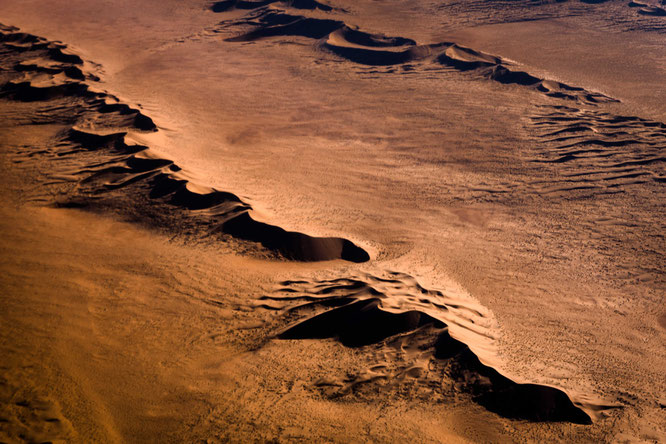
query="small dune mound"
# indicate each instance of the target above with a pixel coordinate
(504, 75)
(130, 116)
(649, 10)
(228, 5)
(490, 67)
(391, 309)
(51, 67)
(358, 323)
(368, 49)
(94, 141)
(307, 4)
(466, 59)
(356, 37)
(20, 41)
(59, 53)
(268, 22)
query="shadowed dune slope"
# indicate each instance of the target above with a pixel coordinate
(228, 5)
(364, 48)
(113, 164)
(275, 23)
(368, 49)
(375, 310)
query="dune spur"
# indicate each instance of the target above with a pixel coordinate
(410, 330)
(154, 190)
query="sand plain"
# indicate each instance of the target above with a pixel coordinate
(256, 221)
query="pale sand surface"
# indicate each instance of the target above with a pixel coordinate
(430, 170)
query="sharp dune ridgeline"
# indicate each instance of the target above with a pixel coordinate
(368, 49)
(123, 164)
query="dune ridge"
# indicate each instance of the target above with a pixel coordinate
(113, 162)
(393, 313)
(363, 48)
(595, 157)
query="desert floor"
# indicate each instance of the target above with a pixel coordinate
(294, 221)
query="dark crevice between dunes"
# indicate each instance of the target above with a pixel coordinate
(228, 5)
(49, 75)
(352, 311)
(363, 48)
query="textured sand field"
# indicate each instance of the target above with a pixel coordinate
(343, 221)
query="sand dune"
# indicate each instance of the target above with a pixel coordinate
(148, 174)
(270, 22)
(369, 309)
(653, 10)
(241, 4)
(494, 68)
(495, 270)
(647, 9)
(360, 315)
(369, 49)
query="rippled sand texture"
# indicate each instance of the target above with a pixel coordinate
(302, 220)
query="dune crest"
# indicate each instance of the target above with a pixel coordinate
(393, 313)
(363, 48)
(589, 144)
(113, 164)
(363, 311)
